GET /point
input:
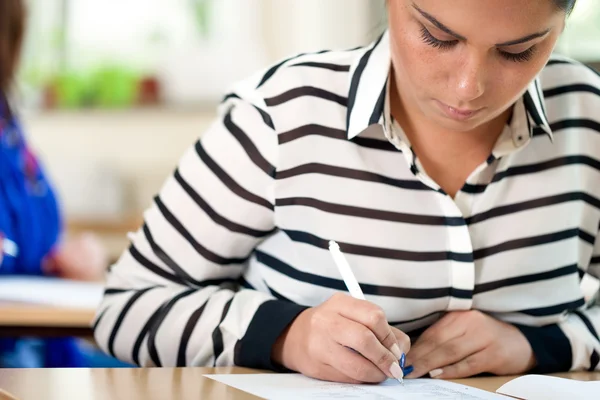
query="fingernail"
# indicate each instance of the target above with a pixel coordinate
(436, 372)
(396, 351)
(396, 371)
(408, 370)
(402, 361)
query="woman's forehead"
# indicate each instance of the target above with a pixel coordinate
(513, 11)
(496, 21)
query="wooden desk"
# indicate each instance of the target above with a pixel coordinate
(41, 321)
(153, 384)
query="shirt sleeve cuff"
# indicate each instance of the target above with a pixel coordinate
(551, 348)
(269, 322)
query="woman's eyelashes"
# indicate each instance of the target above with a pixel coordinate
(432, 41)
(519, 57)
(435, 42)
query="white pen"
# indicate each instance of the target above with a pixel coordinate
(346, 271)
(350, 280)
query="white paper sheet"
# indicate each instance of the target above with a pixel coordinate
(50, 292)
(295, 387)
(540, 387)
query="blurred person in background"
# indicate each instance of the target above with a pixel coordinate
(31, 237)
(454, 160)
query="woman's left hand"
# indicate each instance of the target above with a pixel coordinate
(467, 343)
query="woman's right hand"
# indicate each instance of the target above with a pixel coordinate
(342, 340)
(81, 258)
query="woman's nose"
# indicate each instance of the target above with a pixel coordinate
(470, 79)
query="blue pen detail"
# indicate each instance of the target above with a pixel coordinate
(408, 370)
(402, 361)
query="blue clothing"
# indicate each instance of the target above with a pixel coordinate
(30, 227)
(30, 221)
(29, 213)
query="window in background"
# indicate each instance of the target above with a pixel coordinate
(123, 53)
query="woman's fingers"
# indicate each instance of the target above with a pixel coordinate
(355, 366)
(358, 337)
(403, 339)
(329, 373)
(446, 354)
(373, 317)
(349, 335)
(472, 365)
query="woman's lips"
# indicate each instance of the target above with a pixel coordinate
(456, 113)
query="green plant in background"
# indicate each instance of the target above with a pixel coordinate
(109, 86)
(70, 89)
(202, 10)
(66, 71)
(114, 86)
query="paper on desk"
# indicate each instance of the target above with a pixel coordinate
(296, 386)
(50, 291)
(534, 387)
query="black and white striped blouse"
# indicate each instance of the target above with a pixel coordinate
(235, 244)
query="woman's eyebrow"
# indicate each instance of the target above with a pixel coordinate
(449, 31)
(525, 38)
(437, 23)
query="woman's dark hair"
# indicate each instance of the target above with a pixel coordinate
(12, 26)
(565, 5)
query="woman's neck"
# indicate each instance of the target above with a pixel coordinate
(448, 157)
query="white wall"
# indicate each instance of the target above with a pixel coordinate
(111, 163)
(581, 38)
(262, 32)
(294, 26)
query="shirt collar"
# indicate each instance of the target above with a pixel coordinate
(368, 87)
(368, 82)
(536, 109)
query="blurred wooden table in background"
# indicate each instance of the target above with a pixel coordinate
(18, 319)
